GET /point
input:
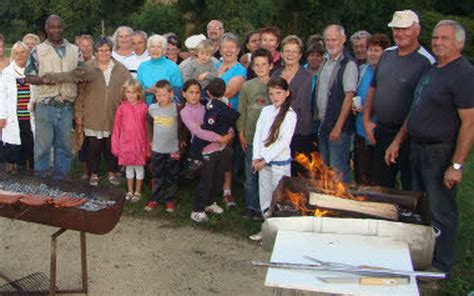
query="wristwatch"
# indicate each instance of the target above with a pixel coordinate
(457, 166)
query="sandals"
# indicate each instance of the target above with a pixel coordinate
(128, 196)
(136, 197)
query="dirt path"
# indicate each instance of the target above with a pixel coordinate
(139, 257)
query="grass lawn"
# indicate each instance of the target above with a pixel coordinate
(460, 282)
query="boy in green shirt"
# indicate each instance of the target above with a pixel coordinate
(253, 97)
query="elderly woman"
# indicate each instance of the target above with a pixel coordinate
(158, 68)
(31, 40)
(86, 47)
(234, 75)
(95, 108)
(3, 59)
(300, 80)
(123, 49)
(15, 106)
(173, 48)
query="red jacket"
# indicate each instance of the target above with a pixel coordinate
(129, 137)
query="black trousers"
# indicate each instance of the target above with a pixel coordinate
(211, 180)
(430, 162)
(363, 156)
(20, 154)
(165, 172)
(95, 149)
(384, 175)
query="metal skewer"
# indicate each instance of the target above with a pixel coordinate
(350, 269)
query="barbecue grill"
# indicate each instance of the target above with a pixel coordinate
(68, 205)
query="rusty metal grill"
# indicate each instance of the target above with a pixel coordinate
(31, 285)
(99, 215)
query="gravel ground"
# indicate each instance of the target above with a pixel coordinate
(139, 257)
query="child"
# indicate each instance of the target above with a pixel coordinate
(212, 172)
(253, 97)
(165, 148)
(129, 137)
(271, 142)
(217, 118)
(202, 68)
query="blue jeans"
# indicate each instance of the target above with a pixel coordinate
(336, 154)
(252, 200)
(53, 129)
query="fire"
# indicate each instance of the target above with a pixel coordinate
(324, 179)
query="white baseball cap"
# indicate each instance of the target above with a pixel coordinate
(193, 41)
(403, 19)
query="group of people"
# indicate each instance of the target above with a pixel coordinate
(245, 111)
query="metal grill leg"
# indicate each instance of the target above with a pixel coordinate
(52, 274)
(84, 261)
(52, 270)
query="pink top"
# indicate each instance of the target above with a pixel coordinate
(129, 137)
(193, 116)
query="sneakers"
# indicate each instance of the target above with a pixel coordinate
(170, 206)
(114, 180)
(256, 237)
(252, 215)
(151, 205)
(199, 217)
(129, 196)
(214, 209)
(229, 201)
(195, 165)
(94, 180)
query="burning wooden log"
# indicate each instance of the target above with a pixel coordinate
(373, 209)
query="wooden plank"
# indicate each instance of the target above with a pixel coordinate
(373, 209)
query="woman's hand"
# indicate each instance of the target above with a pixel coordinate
(150, 90)
(3, 123)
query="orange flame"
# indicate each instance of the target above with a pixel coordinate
(324, 179)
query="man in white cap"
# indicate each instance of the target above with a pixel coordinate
(390, 97)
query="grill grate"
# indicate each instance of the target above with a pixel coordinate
(34, 284)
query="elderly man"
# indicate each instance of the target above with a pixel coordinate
(337, 82)
(53, 113)
(215, 30)
(390, 96)
(139, 45)
(440, 125)
(359, 46)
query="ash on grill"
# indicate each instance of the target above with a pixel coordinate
(27, 185)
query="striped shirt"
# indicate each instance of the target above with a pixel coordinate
(23, 99)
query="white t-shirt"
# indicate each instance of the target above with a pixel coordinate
(131, 62)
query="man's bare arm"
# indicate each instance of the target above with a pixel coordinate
(464, 145)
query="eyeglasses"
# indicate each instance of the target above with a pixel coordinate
(215, 28)
(291, 51)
